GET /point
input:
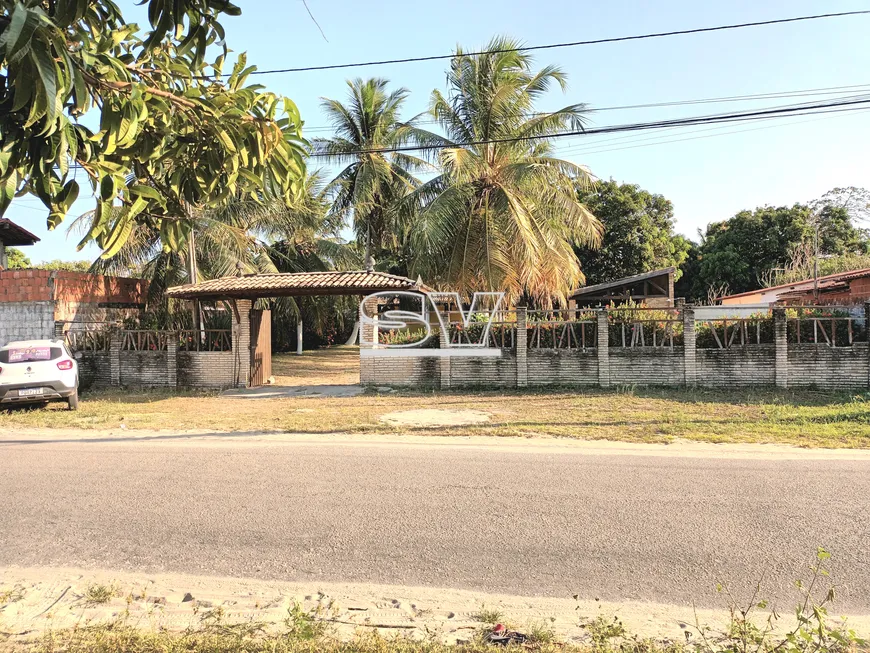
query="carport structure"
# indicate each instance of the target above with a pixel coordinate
(252, 329)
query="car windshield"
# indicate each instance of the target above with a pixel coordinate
(29, 354)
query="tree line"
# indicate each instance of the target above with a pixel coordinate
(197, 172)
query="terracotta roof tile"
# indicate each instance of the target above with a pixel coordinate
(13, 234)
(286, 284)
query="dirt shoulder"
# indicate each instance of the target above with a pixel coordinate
(502, 445)
(34, 601)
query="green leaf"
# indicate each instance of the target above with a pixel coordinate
(107, 188)
(16, 39)
(147, 191)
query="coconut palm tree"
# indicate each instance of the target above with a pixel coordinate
(366, 192)
(504, 213)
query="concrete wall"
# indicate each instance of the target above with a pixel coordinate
(169, 368)
(782, 363)
(31, 320)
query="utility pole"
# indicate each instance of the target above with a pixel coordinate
(816, 263)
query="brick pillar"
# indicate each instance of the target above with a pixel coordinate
(689, 360)
(603, 349)
(522, 351)
(444, 360)
(172, 360)
(242, 342)
(780, 337)
(115, 358)
(867, 332)
(368, 332)
(58, 330)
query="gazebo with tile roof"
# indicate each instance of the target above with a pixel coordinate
(252, 329)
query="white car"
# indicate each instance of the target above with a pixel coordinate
(38, 371)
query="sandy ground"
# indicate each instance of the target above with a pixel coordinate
(34, 601)
(435, 417)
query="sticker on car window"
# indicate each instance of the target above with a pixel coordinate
(25, 355)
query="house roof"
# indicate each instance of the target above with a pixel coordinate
(15, 235)
(799, 285)
(625, 281)
(289, 284)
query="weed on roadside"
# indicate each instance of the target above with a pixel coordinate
(11, 595)
(98, 594)
(488, 616)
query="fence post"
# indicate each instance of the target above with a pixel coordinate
(444, 364)
(603, 342)
(689, 351)
(780, 338)
(115, 358)
(522, 348)
(172, 359)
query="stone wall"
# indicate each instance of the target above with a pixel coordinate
(779, 363)
(401, 371)
(750, 365)
(149, 369)
(646, 366)
(26, 320)
(555, 367)
(828, 368)
(206, 369)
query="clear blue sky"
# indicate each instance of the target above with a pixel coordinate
(707, 179)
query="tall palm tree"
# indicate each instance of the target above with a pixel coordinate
(504, 213)
(367, 190)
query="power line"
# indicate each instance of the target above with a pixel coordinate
(802, 109)
(775, 95)
(589, 150)
(616, 39)
(631, 138)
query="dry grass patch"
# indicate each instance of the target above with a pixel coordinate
(333, 366)
(810, 419)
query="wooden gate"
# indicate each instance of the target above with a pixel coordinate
(261, 348)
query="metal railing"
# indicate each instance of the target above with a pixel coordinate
(562, 329)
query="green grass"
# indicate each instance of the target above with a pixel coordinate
(802, 418)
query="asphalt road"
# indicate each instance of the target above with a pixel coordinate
(526, 522)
